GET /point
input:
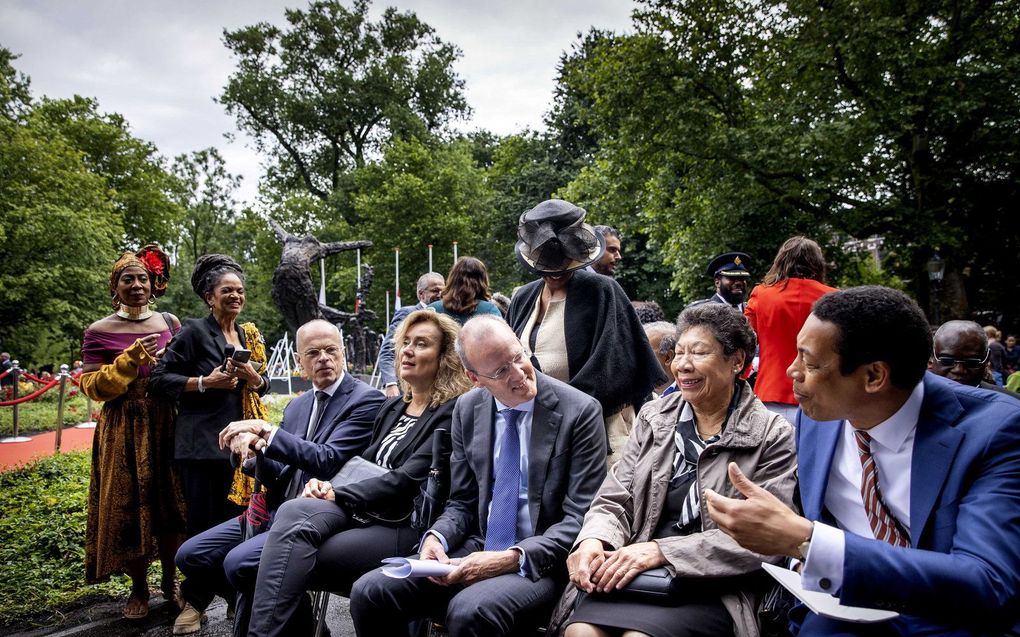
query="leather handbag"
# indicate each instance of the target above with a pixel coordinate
(651, 585)
(355, 470)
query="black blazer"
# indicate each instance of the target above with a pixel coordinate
(195, 351)
(390, 497)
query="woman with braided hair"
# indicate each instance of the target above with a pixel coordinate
(209, 389)
(135, 508)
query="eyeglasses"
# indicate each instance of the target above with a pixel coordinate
(501, 373)
(313, 354)
(967, 363)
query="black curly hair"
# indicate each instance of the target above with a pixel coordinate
(878, 324)
(209, 269)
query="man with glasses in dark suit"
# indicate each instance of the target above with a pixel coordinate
(528, 456)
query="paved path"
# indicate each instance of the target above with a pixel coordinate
(104, 620)
(13, 454)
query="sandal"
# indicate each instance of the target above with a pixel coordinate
(137, 606)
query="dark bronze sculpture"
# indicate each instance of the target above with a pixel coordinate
(297, 299)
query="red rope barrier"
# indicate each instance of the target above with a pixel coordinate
(5, 373)
(34, 379)
(74, 381)
(32, 396)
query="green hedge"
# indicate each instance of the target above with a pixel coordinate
(42, 539)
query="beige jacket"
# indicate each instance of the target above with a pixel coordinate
(627, 507)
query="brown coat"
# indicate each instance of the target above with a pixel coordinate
(627, 507)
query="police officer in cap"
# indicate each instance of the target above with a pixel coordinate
(730, 273)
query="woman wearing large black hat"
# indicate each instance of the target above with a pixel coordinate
(578, 326)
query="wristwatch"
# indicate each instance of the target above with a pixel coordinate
(805, 546)
(265, 431)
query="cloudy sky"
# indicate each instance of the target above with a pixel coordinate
(161, 63)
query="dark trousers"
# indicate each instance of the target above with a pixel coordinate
(503, 605)
(315, 544)
(206, 484)
(218, 562)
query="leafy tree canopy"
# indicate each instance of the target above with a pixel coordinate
(731, 126)
(76, 188)
(325, 93)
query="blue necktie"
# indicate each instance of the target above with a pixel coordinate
(501, 530)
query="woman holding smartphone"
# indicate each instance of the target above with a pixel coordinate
(209, 387)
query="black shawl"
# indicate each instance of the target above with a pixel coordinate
(607, 351)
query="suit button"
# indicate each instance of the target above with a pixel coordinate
(825, 583)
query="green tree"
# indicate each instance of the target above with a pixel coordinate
(419, 193)
(734, 125)
(323, 95)
(139, 185)
(76, 188)
(60, 231)
(526, 169)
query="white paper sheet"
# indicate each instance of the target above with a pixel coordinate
(823, 603)
(401, 567)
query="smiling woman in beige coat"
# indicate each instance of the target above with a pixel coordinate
(648, 512)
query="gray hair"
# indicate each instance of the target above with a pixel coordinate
(476, 328)
(668, 331)
(726, 324)
(423, 280)
(607, 231)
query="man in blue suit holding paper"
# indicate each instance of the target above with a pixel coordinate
(910, 484)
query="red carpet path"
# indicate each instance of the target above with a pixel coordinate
(13, 454)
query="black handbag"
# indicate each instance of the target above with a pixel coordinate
(655, 584)
(355, 470)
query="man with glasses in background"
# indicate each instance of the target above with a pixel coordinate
(528, 456)
(961, 354)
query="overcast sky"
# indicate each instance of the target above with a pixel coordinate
(161, 63)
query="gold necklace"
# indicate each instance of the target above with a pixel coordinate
(134, 313)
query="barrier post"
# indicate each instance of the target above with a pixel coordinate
(60, 407)
(16, 374)
(87, 424)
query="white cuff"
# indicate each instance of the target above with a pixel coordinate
(272, 433)
(823, 568)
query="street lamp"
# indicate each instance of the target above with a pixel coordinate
(936, 268)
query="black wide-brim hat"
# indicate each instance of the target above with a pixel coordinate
(553, 239)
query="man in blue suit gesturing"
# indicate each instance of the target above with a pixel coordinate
(910, 483)
(320, 432)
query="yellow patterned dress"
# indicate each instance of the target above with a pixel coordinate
(134, 495)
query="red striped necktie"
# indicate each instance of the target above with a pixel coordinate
(884, 524)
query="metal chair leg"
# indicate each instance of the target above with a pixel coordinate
(320, 602)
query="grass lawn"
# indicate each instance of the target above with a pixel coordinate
(42, 536)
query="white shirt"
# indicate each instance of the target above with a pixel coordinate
(311, 419)
(892, 447)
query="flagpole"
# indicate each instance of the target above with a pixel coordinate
(396, 279)
(430, 257)
(455, 252)
(357, 291)
(322, 281)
